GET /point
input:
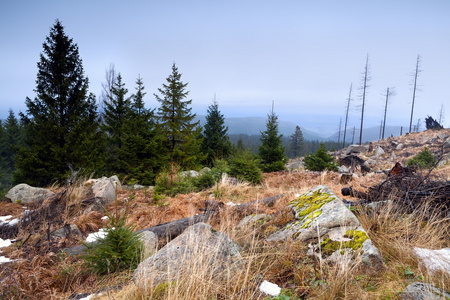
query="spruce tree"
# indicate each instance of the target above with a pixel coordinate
(296, 143)
(272, 152)
(216, 143)
(117, 112)
(320, 161)
(183, 142)
(142, 155)
(61, 123)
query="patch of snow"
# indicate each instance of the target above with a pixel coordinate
(90, 296)
(92, 237)
(105, 218)
(5, 243)
(435, 260)
(231, 204)
(13, 222)
(4, 259)
(270, 288)
(4, 218)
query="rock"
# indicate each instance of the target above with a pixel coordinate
(442, 136)
(23, 193)
(252, 220)
(423, 291)
(294, 165)
(345, 178)
(379, 151)
(330, 228)
(149, 243)
(393, 156)
(343, 169)
(357, 149)
(434, 260)
(370, 162)
(445, 160)
(190, 173)
(446, 144)
(66, 231)
(199, 250)
(102, 188)
(400, 146)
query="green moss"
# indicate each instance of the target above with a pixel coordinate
(311, 202)
(357, 237)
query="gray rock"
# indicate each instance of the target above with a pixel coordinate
(442, 136)
(434, 260)
(379, 151)
(445, 160)
(104, 188)
(149, 243)
(357, 149)
(343, 169)
(400, 146)
(446, 144)
(199, 249)
(323, 217)
(24, 193)
(252, 220)
(190, 173)
(423, 291)
(66, 231)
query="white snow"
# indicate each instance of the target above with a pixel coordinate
(92, 237)
(435, 260)
(105, 218)
(5, 243)
(4, 259)
(4, 218)
(90, 296)
(230, 204)
(270, 288)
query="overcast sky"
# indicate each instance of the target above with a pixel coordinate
(303, 55)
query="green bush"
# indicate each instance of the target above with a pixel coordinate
(120, 249)
(424, 159)
(244, 166)
(320, 161)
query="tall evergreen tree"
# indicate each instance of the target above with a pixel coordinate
(116, 113)
(272, 152)
(61, 124)
(216, 143)
(183, 141)
(296, 143)
(142, 155)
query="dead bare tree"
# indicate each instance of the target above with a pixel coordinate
(339, 132)
(415, 74)
(107, 86)
(346, 114)
(366, 79)
(442, 115)
(389, 93)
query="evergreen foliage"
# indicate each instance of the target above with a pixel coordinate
(183, 142)
(117, 110)
(142, 155)
(424, 159)
(431, 123)
(10, 140)
(296, 143)
(120, 249)
(320, 161)
(245, 166)
(216, 143)
(61, 123)
(272, 152)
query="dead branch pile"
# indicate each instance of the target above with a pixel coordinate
(408, 189)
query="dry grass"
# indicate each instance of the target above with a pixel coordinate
(395, 234)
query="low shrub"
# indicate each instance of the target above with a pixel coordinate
(424, 159)
(320, 161)
(245, 166)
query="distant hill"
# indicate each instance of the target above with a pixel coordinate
(254, 125)
(369, 134)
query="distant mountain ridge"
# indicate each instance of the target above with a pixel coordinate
(254, 125)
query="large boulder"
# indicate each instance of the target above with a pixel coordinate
(434, 260)
(104, 188)
(23, 193)
(357, 149)
(331, 230)
(199, 250)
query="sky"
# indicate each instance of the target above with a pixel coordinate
(301, 55)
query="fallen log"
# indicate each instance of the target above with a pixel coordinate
(170, 230)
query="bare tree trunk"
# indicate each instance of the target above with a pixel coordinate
(346, 114)
(339, 132)
(364, 88)
(416, 73)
